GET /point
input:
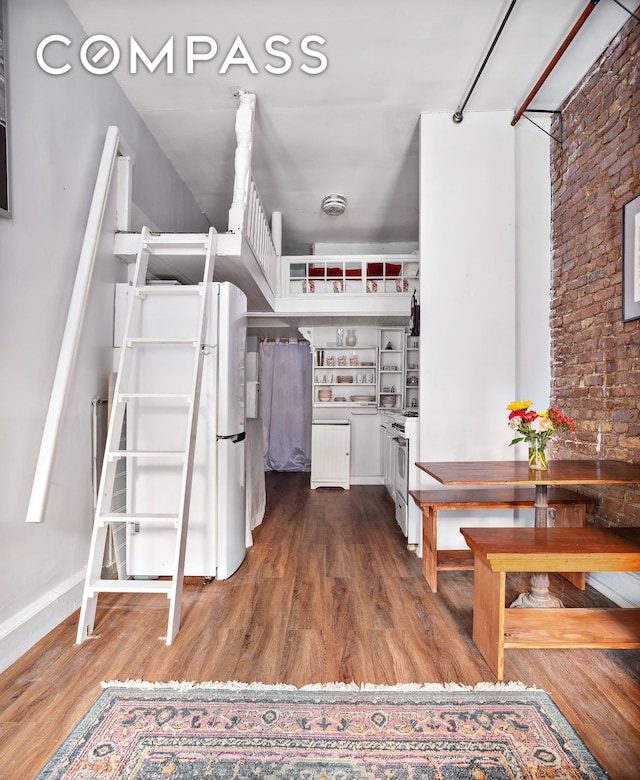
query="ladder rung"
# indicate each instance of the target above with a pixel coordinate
(146, 454)
(178, 341)
(139, 517)
(130, 586)
(183, 244)
(186, 397)
(173, 239)
(178, 251)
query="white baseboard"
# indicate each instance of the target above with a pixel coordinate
(20, 632)
(622, 587)
(365, 480)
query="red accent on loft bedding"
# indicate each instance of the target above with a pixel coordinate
(374, 270)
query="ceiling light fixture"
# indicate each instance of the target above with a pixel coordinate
(334, 205)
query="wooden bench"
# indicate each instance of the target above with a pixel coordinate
(571, 511)
(501, 550)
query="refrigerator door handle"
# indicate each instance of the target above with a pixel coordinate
(235, 437)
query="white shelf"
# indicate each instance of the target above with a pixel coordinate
(333, 404)
(332, 348)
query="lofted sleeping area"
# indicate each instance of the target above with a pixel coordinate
(376, 283)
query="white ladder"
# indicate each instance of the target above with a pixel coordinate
(130, 389)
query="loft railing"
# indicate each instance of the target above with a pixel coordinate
(247, 215)
(258, 235)
(368, 276)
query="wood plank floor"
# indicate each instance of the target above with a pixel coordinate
(328, 592)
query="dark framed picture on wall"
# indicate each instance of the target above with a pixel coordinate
(631, 259)
(4, 153)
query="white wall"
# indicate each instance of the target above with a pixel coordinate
(467, 285)
(533, 263)
(376, 248)
(56, 132)
(484, 246)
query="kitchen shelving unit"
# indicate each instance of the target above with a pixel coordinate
(411, 372)
(359, 366)
(391, 352)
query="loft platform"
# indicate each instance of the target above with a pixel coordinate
(235, 262)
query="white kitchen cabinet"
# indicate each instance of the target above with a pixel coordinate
(330, 453)
(365, 447)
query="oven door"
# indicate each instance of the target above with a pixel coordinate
(401, 482)
(401, 446)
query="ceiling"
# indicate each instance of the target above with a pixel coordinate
(352, 129)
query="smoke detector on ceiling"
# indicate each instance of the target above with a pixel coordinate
(334, 205)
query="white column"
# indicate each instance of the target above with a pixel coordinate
(276, 231)
(244, 139)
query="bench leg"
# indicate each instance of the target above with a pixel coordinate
(488, 615)
(430, 546)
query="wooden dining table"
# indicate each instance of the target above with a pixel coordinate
(511, 472)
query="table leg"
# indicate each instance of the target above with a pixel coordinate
(539, 596)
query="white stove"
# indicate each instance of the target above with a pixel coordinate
(404, 429)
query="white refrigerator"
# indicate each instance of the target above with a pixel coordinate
(217, 534)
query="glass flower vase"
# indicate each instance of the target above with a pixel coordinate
(538, 459)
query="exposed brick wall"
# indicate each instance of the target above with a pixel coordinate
(595, 356)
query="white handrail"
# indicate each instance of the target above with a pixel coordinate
(71, 338)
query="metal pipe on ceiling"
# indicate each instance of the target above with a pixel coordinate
(572, 34)
(458, 116)
(624, 8)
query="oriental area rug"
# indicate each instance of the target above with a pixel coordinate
(141, 731)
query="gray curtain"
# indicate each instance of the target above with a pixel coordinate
(285, 405)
